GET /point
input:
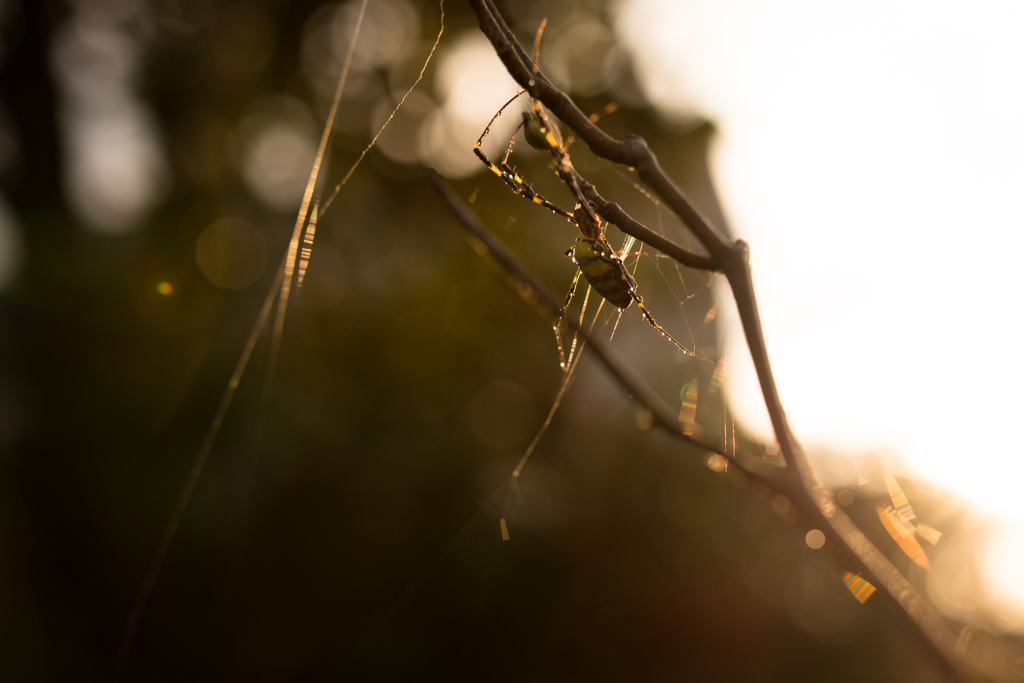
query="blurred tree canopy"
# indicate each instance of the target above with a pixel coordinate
(149, 155)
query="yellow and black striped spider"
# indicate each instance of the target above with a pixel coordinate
(594, 257)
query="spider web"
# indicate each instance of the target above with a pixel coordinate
(671, 292)
(679, 299)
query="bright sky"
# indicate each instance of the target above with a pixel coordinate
(872, 153)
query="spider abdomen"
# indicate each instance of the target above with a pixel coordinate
(604, 271)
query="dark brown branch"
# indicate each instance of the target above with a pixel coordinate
(732, 260)
(614, 214)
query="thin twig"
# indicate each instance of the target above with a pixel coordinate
(732, 259)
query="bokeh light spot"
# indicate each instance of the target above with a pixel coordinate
(390, 28)
(115, 168)
(276, 164)
(815, 539)
(717, 463)
(583, 58)
(165, 288)
(400, 141)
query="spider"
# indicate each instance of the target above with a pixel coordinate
(594, 257)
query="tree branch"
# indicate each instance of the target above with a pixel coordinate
(614, 214)
(732, 259)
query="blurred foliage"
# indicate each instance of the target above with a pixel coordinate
(324, 538)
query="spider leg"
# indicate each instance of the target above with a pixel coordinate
(506, 173)
(493, 118)
(522, 189)
(650, 319)
(511, 141)
(519, 186)
(563, 166)
(503, 170)
(561, 315)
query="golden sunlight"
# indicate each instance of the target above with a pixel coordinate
(861, 145)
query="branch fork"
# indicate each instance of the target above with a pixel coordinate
(797, 480)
